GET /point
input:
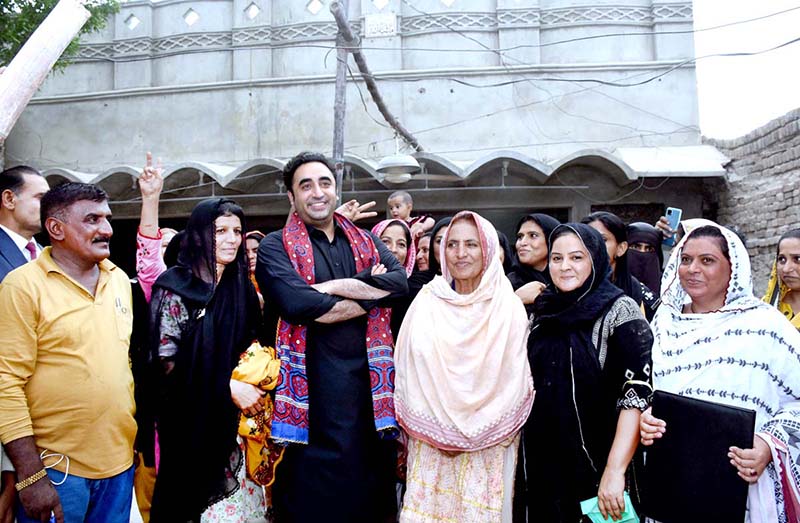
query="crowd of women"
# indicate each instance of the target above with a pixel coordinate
(523, 374)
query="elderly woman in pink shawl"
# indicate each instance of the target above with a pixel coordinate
(463, 384)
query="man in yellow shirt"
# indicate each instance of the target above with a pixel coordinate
(66, 389)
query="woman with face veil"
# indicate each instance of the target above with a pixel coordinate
(204, 314)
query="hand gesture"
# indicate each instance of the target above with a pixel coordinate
(751, 462)
(379, 269)
(150, 181)
(650, 427)
(354, 211)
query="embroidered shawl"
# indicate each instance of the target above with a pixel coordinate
(745, 355)
(260, 367)
(463, 378)
(290, 418)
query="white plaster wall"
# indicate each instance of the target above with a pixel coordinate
(251, 99)
(545, 120)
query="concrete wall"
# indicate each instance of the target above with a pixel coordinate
(762, 195)
(236, 123)
(229, 88)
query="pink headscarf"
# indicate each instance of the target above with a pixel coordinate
(463, 382)
(411, 256)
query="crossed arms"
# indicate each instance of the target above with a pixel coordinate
(331, 301)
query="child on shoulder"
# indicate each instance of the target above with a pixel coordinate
(400, 205)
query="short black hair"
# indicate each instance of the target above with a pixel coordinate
(611, 221)
(61, 197)
(792, 233)
(12, 179)
(300, 159)
(710, 231)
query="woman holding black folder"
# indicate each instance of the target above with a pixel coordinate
(715, 341)
(589, 351)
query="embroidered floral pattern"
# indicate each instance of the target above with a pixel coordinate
(173, 319)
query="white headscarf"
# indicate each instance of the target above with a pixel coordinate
(746, 354)
(463, 382)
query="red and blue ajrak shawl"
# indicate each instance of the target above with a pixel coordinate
(290, 418)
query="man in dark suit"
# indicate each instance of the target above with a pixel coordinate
(21, 190)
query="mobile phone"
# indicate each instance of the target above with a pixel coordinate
(673, 216)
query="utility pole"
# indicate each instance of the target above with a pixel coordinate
(340, 101)
(347, 42)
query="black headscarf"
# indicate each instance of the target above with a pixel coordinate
(574, 388)
(173, 249)
(587, 302)
(509, 260)
(646, 266)
(621, 276)
(197, 419)
(419, 278)
(523, 274)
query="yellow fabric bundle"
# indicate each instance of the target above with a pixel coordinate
(259, 366)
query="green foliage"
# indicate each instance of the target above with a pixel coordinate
(20, 18)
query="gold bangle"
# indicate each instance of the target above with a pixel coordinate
(30, 480)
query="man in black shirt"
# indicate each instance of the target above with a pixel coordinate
(328, 280)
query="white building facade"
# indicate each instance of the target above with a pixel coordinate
(519, 105)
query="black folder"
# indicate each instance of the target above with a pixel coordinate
(688, 477)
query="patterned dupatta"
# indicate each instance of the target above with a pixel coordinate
(290, 419)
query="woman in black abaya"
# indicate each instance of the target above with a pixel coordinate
(589, 351)
(204, 314)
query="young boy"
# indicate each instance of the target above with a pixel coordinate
(400, 206)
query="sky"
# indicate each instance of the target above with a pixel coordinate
(737, 95)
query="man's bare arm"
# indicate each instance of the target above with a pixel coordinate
(351, 289)
(39, 498)
(342, 311)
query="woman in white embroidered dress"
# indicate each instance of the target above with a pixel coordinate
(463, 384)
(714, 340)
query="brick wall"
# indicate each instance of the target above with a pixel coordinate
(762, 192)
